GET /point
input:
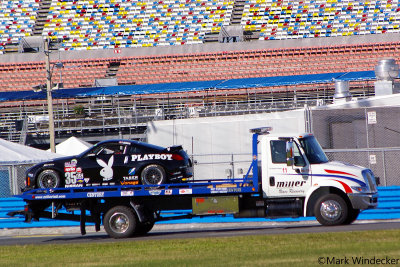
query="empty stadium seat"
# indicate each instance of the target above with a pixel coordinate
(134, 23)
(17, 19)
(310, 18)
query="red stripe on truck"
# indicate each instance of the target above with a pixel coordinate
(340, 172)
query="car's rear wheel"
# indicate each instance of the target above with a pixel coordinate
(48, 179)
(153, 175)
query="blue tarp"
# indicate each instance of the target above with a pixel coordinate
(191, 86)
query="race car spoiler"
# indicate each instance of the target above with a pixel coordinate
(174, 148)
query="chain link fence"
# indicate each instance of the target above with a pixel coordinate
(383, 162)
(368, 137)
(12, 179)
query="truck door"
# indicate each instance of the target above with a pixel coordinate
(280, 180)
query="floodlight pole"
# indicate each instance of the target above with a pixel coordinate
(49, 97)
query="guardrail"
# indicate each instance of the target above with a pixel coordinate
(388, 208)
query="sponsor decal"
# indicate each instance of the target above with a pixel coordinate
(49, 196)
(74, 185)
(48, 165)
(69, 169)
(155, 192)
(106, 172)
(130, 178)
(219, 190)
(151, 157)
(95, 194)
(87, 180)
(234, 190)
(130, 183)
(132, 171)
(287, 184)
(185, 191)
(127, 193)
(71, 163)
(168, 192)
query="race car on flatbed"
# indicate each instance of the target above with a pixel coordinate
(113, 162)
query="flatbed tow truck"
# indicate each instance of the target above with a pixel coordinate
(291, 177)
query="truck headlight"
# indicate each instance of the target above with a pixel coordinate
(369, 179)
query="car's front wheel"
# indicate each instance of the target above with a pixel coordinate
(153, 175)
(48, 179)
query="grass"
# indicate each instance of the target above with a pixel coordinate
(265, 250)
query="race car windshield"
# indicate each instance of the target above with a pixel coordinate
(313, 150)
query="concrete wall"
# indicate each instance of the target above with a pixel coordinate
(202, 48)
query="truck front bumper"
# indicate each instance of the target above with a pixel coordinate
(364, 201)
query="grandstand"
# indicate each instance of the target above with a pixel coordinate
(177, 42)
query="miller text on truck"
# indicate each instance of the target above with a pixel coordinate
(290, 177)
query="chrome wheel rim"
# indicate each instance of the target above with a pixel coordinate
(330, 210)
(119, 222)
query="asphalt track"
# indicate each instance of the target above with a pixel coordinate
(68, 235)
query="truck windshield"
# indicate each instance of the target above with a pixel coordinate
(313, 150)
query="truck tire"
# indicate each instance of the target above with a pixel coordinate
(352, 216)
(153, 175)
(120, 222)
(331, 209)
(48, 179)
(144, 228)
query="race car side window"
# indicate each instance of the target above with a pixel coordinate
(108, 149)
(135, 149)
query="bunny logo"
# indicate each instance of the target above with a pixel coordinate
(107, 171)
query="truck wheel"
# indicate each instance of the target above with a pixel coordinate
(144, 228)
(331, 209)
(153, 174)
(352, 216)
(120, 222)
(48, 179)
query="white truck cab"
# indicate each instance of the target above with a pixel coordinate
(296, 172)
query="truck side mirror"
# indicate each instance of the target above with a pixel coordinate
(289, 154)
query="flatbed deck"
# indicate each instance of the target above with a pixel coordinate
(235, 186)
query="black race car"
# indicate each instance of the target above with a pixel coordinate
(113, 162)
